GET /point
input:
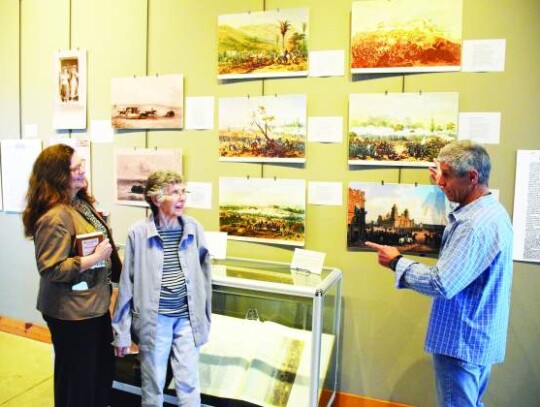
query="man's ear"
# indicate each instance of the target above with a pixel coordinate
(474, 176)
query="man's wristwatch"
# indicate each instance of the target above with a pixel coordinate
(393, 262)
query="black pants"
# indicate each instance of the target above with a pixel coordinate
(83, 362)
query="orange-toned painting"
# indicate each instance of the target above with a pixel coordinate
(264, 44)
(406, 36)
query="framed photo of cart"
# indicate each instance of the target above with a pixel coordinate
(148, 102)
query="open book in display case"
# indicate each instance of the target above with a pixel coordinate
(274, 340)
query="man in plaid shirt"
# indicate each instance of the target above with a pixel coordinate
(471, 281)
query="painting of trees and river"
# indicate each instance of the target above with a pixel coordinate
(263, 210)
(400, 129)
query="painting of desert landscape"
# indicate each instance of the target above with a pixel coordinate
(406, 36)
(407, 216)
(263, 210)
(263, 129)
(133, 166)
(401, 129)
(263, 44)
(148, 102)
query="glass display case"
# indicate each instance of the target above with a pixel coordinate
(274, 339)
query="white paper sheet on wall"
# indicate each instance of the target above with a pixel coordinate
(17, 157)
(526, 218)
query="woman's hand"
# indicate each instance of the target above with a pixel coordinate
(121, 351)
(102, 252)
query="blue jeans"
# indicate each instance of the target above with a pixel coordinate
(175, 338)
(459, 383)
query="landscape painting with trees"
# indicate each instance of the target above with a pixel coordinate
(406, 36)
(263, 129)
(263, 210)
(401, 129)
(263, 44)
(409, 217)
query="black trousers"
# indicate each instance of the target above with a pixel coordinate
(83, 362)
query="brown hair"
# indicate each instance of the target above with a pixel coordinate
(49, 185)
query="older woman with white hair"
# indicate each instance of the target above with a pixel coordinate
(165, 293)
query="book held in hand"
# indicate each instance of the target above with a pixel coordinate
(86, 245)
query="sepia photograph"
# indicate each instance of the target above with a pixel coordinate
(148, 102)
(133, 166)
(263, 129)
(263, 210)
(401, 129)
(409, 217)
(406, 36)
(263, 44)
(69, 84)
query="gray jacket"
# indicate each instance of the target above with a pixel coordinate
(137, 304)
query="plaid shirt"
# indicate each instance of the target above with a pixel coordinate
(470, 284)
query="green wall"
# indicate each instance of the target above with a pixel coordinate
(383, 329)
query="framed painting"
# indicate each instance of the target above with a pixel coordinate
(263, 44)
(263, 210)
(409, 217)
(69, 84)
(148, 102)
(406, 36)
(263, 129)
(133, 166)
(401, 129)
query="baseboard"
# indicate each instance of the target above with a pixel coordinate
(41, 333)
(354, 400)
(26, 329)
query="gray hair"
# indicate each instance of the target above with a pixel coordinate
(463, 156)
(157, 183)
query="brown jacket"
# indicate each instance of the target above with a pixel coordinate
(59, 268)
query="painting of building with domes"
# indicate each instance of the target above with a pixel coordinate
(407, 216)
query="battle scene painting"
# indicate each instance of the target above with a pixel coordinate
(262, 129)
(406, 36)
(148, 102)
(401, 129)
(263, 210)
(263, 44)
(409, 217)
(133, 166)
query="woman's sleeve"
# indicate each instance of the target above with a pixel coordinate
(121, 321)
(53, 242)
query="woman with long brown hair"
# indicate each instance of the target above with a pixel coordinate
(75, 290)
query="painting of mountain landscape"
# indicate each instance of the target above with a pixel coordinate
(263, 209)
(401, 129)
(406, 36)
(263, 44)
(262, 129)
